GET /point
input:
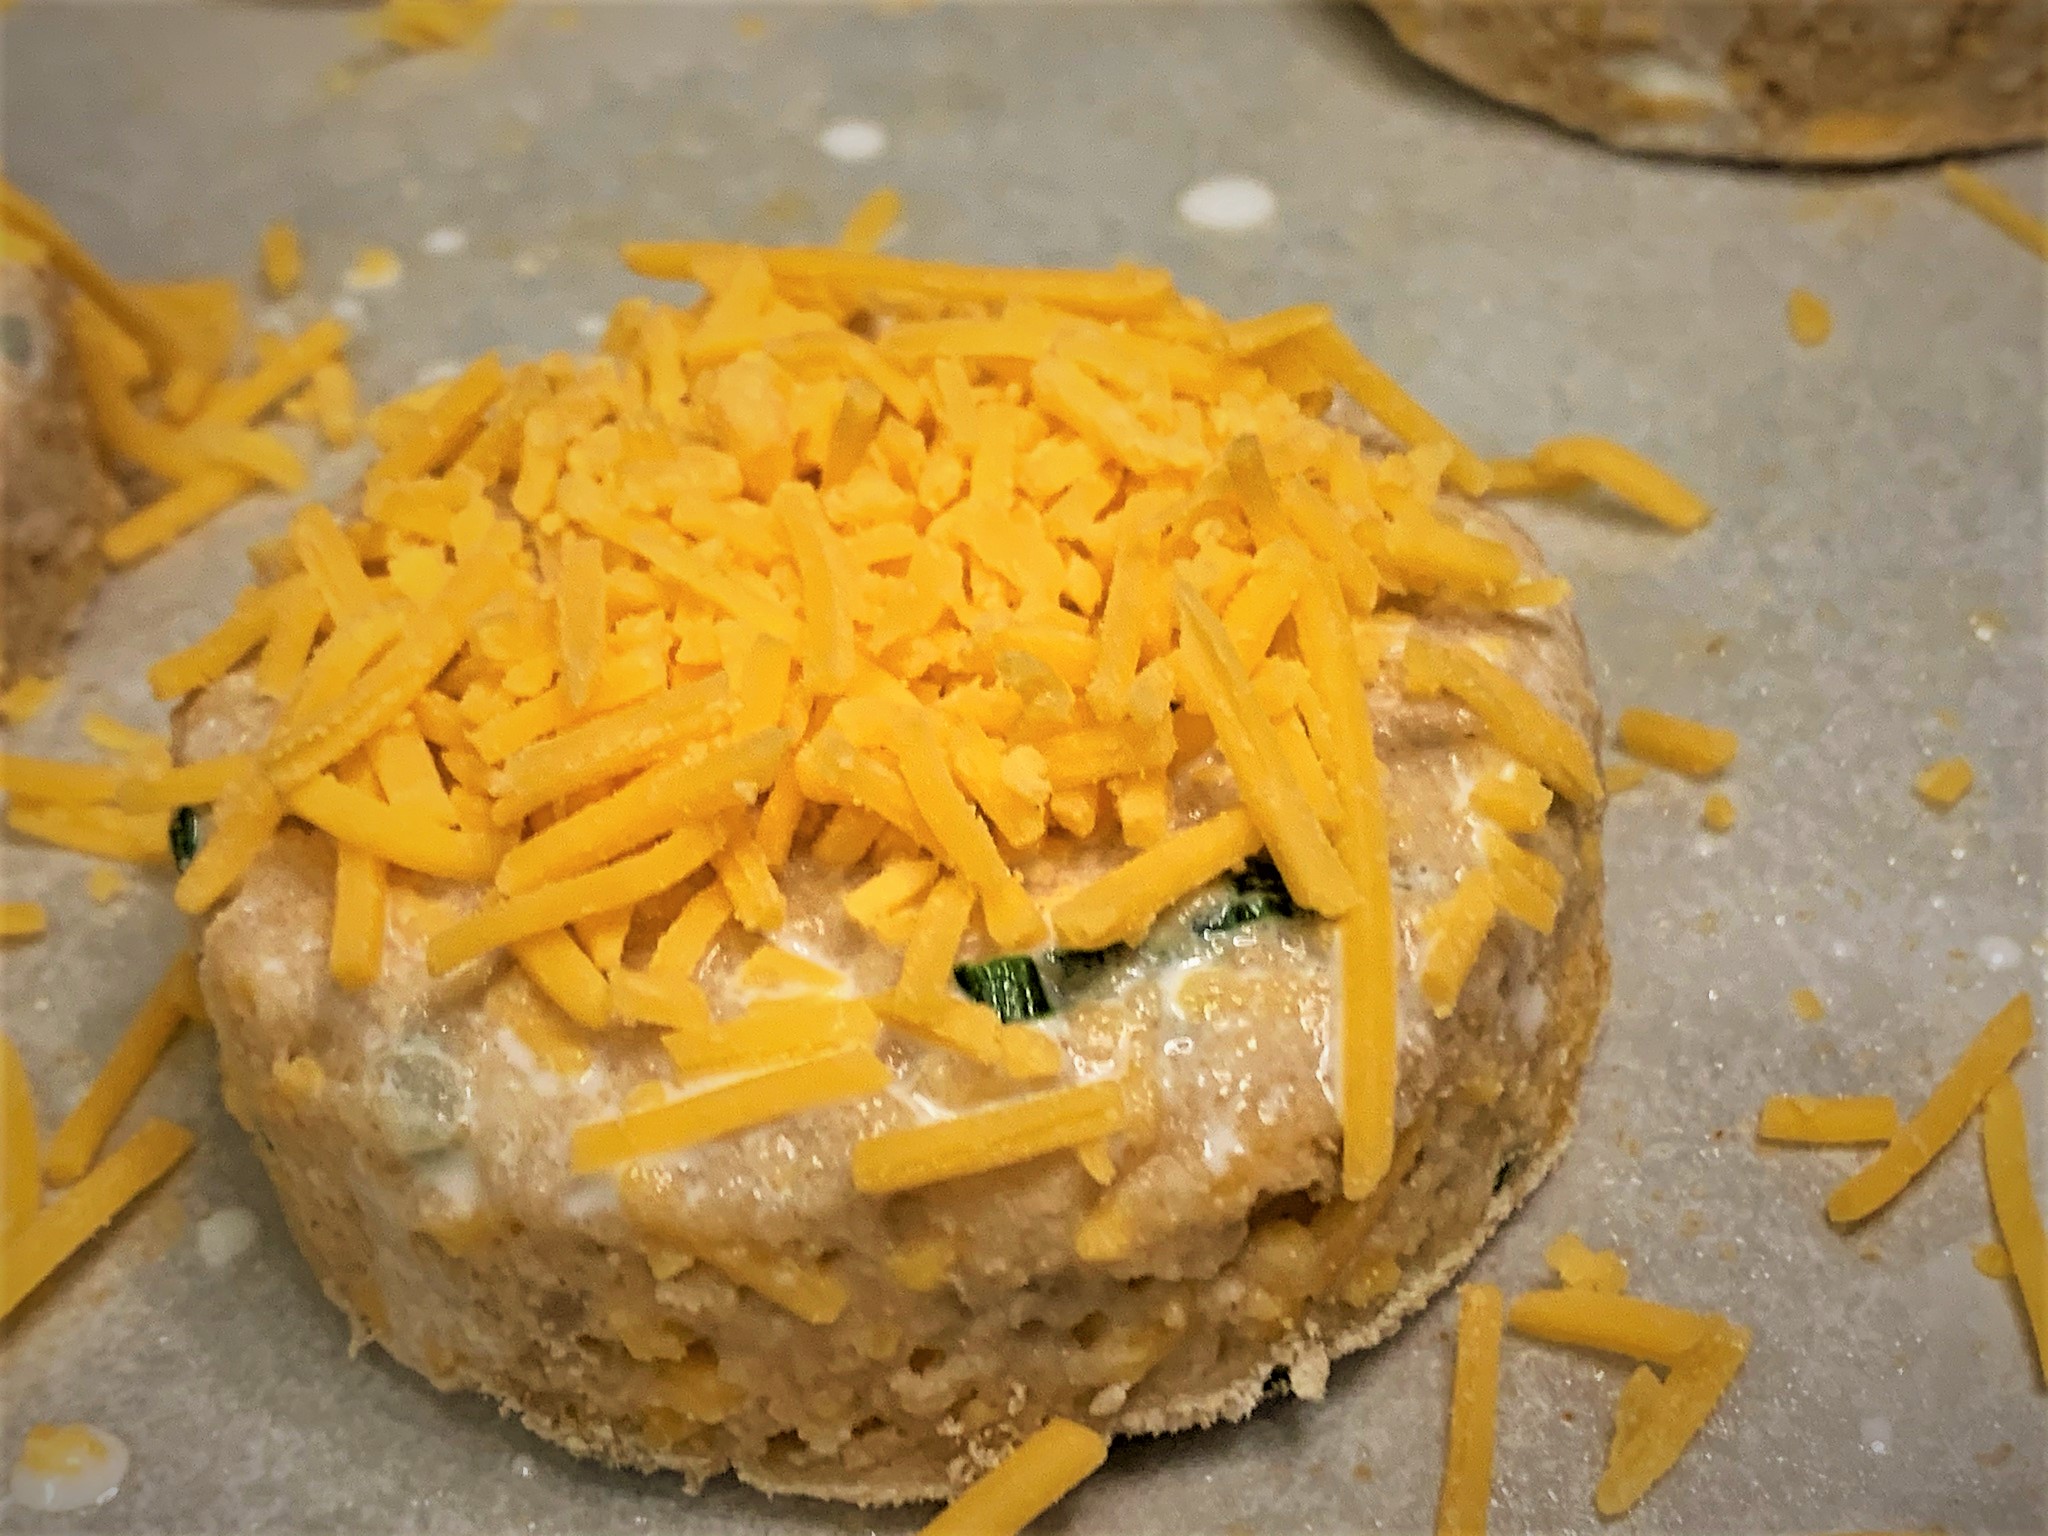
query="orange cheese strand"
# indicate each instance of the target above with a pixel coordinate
(1942, 784)
(772, 1032)
(1511, 714)
(1799, 1117)
(1025, 1484)
(1807, 318)
(1617, 1324)
(1672, 741)
(1468, 1452)
(869, 224)
(1625, 473)
(851, 1072)
(1012, 1131)
(65, 1225)
(555, 963)
(1654, 1422)
(1217, 684)
(1986, 1059)
(22, 919)
(1593, 1269)
(1996, 207)
(248, 812)
(617, 885)
(21, 1176)
(1454, 931)
(1118, 907)
(2008, 1172)
(173, 1000)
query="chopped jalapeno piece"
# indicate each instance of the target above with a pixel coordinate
(1256, 891)
(1009, 984)
(184, 836)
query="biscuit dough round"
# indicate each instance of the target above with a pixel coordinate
(1820, 81)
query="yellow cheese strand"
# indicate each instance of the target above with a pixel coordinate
(1577, 1265)
(1934, 1126)
(174, 999)
(1814, 1121)
(1012, 1131)
(1620, 1325)
(1672, 741)
(2009, 1174)
(617, 885)
(1216, 681)
(853, 1072)
(1025, 1484)
(1475, 1384)
(21, 1176)
(1118, 907)
(64, 1226)
(1653, 1428)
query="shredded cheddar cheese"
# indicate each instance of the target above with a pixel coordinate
(21, 1172)
(1982, 1064)
(1012, 1131)
(1674, 742)
(1807, 1004)
(869, 224)
(1453, 931)
(1626, 474)
(67, 1223)
(1942, 784)
(22, 919)
(1609, 1321)
(173, 1000)
(1807, 318)
(1025, 1484)
(1475, 1384)
(1996, 207)
(281, 259)
(1717, 813)
(2008, 1173)
(1576, 1264)
(1803, 1118)
(1655, 1421)
(25, 698)
(850, 1072)
(904, 568)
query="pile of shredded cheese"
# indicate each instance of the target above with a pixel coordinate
(893, 563)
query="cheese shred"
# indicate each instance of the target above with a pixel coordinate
(1468, 1453)
(1980, 1067)
(1025, 1483)
(70, 1221)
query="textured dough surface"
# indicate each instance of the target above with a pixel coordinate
(55, 498)
(419, 1151)
(1821, 81)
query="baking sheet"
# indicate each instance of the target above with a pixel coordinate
(1878, 560)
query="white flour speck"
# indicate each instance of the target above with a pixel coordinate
(448, 241)
(435, 373)
(225, 1236)
(1998, 952)
(1228, 204)
(590, 327)
(853, 140)
(348, 310)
